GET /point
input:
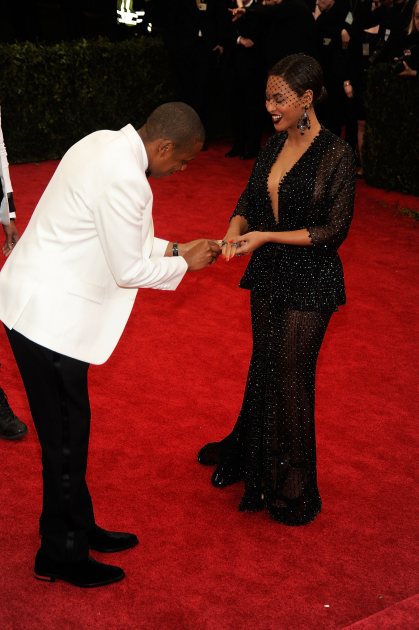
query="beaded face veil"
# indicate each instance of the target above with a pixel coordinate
(285, 106)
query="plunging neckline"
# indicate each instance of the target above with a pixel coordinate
(286, 174)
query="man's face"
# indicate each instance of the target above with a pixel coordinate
(171, 159)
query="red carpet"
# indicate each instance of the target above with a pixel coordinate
(174, 382)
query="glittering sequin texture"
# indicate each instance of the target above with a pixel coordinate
(317, 193)
(294, 291)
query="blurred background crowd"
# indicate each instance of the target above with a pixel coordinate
(231, 45)
(220, 50)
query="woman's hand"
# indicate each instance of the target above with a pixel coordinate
(247, 243)
(228, 247)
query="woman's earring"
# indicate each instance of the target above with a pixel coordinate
(303, 122)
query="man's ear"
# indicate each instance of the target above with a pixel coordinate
(165, 148)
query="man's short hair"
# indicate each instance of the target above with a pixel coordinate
(177, 122)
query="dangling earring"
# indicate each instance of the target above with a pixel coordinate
(303, 122)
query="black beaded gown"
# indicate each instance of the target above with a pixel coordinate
(294, 291)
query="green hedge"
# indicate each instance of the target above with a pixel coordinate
(390, 153)
(53, 95)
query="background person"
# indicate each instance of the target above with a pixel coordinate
(287, 27)
(245, 78)
(194, 34)
(11, 428)
(409, 58)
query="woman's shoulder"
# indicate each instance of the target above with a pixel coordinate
(273, 143)
(276, 138)
(337, 146)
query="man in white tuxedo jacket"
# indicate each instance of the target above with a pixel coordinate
(66, 293)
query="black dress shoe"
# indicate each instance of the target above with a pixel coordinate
(11, 428)
(226, 474)
(109, 542)
(210, 454)
(214, 453)
(86, 573)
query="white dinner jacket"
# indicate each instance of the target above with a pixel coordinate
(71, 281)
(5, 183)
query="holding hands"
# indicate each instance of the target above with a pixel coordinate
(203, 252)
(239, 245)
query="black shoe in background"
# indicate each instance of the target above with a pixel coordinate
(11, 428)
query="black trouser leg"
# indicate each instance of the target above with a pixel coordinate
(56, 387)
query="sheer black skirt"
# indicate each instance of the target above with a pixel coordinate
(272, 446)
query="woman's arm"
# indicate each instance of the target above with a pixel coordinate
(253, 240)
(330, 234)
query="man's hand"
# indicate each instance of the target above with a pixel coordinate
(199, 254)
(12, 237)
(237, 13)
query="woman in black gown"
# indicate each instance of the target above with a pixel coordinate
(293, 215)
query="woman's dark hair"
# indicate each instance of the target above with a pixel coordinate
(301, 72)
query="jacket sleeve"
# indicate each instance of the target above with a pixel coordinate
(7, 210)
(122, 217)
(4, 163)
(159, 247)
(340, 201)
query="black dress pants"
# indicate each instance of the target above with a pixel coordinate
(56, 387)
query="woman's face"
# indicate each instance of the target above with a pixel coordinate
(283, 104)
